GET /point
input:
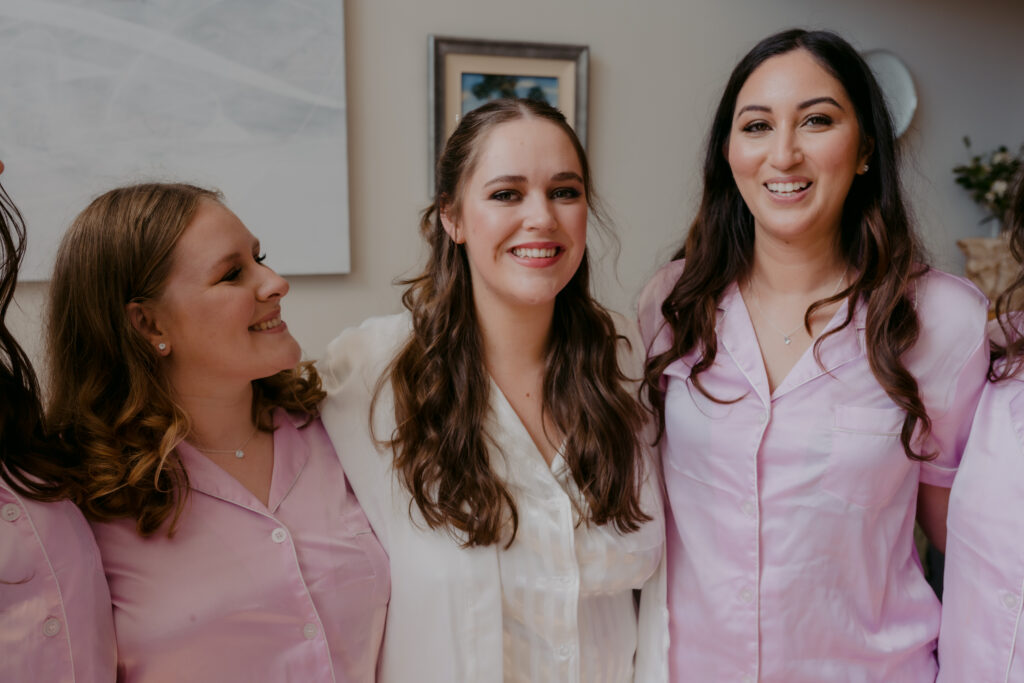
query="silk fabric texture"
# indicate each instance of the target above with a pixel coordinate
(55, 620)
(556, 607)
(293, 591)
(982, 635)
(790, 532)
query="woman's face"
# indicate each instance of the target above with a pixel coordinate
(220, 310)
(794, 148)
(523, 215)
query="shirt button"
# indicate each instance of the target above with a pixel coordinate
(310, 631)
(51, 627)
(747, 595)
(1010, 600)
(747, 679)
(749, 509)
(763, 418)
(565, 651)
(278, 535)
(10, 512)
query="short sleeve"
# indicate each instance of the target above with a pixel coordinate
(950, 362)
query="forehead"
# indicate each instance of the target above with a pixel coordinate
(790, 78)
(213, 232)
(527, 144)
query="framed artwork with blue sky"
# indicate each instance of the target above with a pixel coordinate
(466, 73)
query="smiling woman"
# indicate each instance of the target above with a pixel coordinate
(504, 466)
(842, 374)
(233, 546)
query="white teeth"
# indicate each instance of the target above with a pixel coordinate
(787, 188)
(522, 252)
(273, 322)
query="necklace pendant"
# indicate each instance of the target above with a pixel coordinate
(241, 454)
(784, 338)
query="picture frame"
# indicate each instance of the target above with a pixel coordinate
(465, 73)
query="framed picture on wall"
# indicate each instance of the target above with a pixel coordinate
(465, 73)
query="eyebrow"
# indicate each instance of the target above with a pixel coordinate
(513, 179)
(803, 105)
(235, 256)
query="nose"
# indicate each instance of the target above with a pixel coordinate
(785, 151)
(271, 285)
(539, 214)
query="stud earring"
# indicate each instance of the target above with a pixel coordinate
(864, 168)
(162, 346)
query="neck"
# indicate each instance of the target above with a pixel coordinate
(514, 337)
(220, 420)
(796, 269)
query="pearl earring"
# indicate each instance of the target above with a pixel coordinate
(162, 346)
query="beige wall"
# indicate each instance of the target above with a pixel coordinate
(657, 68)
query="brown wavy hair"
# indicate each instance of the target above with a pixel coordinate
(1008, 357)
(442, 389)
(31, 462)
(109, 400)
(876, 240)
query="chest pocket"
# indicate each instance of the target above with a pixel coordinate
(866, 464)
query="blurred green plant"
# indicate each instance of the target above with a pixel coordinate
(989, 177)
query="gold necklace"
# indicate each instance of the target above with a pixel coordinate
(238, 452)
(787, 337)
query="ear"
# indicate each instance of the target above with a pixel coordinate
(867, 148)
(451, 224)
(143, 319)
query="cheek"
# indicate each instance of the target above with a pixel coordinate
(744, 162)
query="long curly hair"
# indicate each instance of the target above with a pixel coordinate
(1008, 357)
(876, 241)
(110, 402)
(31, 462)
(442, 390)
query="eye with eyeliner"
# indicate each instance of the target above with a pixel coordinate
(231, 275)
(818, 120)
(566, 193)
(758, 126)
(504, 195)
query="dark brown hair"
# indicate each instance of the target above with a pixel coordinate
(30, 462)
(442, 390)
(876, 239)
(1008, 357)
(109, 400)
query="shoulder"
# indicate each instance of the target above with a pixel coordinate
(952, 313)
(364, 349)
(653, 295)
(941, 295)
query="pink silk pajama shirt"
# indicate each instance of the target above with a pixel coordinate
(295, 590)
(791, 513)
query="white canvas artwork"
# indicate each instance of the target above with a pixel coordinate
(246, 96)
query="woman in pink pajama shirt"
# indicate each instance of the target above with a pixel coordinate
(815, 384)
(234, 548)
(55, 621)
(982, 635)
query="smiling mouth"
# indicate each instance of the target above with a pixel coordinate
(548, 252)
(787, 189)
(266, 325)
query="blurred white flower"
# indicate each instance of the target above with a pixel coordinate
(999, 188)
(989, 197)
(1000, 157)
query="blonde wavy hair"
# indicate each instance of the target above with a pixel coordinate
(110, 403)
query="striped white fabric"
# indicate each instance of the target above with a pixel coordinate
(568, 612)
